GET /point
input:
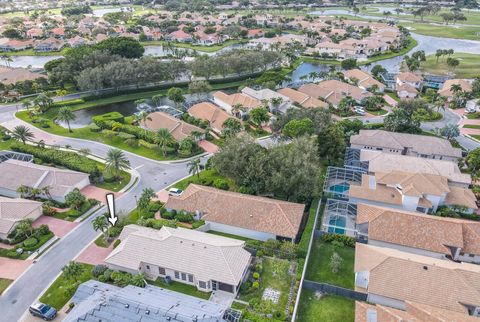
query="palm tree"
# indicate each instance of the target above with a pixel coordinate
(116, 161)
(27, 105)
(194, 167)
(24, 191)
(35, 192)
(25, 228)
(142, 118)
(138, 280)
(456, 88)
(101, 223)
(72, 270)
(22, 133)
(231, 127)
(237, 109)
(163, 138)
(66, 115)
(46, 191)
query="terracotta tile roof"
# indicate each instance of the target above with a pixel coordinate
(446, 88)
(461, 197)
(409, 77)
(421, 144)
(415, 184)
(417, 230)
(379, 161)
(425, 280)
(210, 112)
(364, 78)
(207, 256)
(235, 209)
(237, 98)
(381, 193)
(14, 210)
(178, 128)
(414, 312)
(333, 91)
(406, 88)
(302, 98)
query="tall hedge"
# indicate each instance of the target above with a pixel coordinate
(139, 133)
(69, 160)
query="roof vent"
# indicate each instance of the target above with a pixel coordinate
(181, 242)
(193, 244)
(251, 216)
(127, 306)
(425, 268)
(147, 312)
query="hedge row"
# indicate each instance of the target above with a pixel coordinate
(138, 132)
(346, 240)
(70, 160)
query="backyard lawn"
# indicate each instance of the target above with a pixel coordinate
(469, 65)
(4, 283)
(218, 233)
(181, 288)
(328, 308)
(60, 292)
(318, 268)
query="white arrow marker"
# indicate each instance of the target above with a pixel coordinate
(111, 209)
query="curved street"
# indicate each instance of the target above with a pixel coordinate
(152, 174)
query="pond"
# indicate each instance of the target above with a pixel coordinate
(84, 116)
(102, 11)
(34, 62)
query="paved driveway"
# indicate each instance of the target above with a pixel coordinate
(59, 227)
(94, 255)
(98, 193)
(208, 146)
(13, 268)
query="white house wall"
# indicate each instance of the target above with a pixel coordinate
(387, 301)
(248, 233)
(411, 250)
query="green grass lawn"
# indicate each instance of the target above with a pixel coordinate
(181, 288)
(469, 65)
(4, 283)
(471, 126)
(465, 32)
(329, 308)
(318, 268)
(378, 113)
(205, 176)
(100, 242)
(116, 185)
(274, 275)
(32, 52)
(73, 214)
(63, 289)
(228, 235)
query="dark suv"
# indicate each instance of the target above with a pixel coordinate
(43, 311)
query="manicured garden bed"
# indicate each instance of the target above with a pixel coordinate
(207, 178)
(181, 288)
(328, 308)
(11, 253)
(72, 214)
(318, 268)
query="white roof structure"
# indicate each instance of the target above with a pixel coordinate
(14, 210)
(207, 256)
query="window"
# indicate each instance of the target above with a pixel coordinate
(184, 277)
(190, 278)
(202, 284)
(161, 271)
(177, 275)
(148, 267)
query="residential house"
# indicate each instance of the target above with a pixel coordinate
(333, 91)
(77, 41)
(230, 102)
(380, 161)
(391, 278)
(255, 33)
(12, 211)
(426, 235)
(411, 191)
(13, 75)
(177, 128)
(180, 36)
(244, 215)
(267, 97)
(211, 113)
(413, 80)
(429, 147)
(446, 89)
(58, 32)
(50, 44)
(363, 79)
(35, 33)
(97, 301)
(16, 45)
(302, 99)
(365, 312)
(406, 91)
(59, 181)
(206, 261)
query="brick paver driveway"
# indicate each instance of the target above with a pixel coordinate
(12, 268)
(208, 146)
(94, 255)
(98, 193)
(59, 227)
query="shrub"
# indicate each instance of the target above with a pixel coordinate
(70, 160)
(259, 253)
(114, 231)
(246, 190)
(255, 284)
(221, 184)
(48, 210)
(198, 224)
(99, 270)
(256, 275)
(107, 274)
(30, 242)
(146, 144)
(133, 143)
(116, 243)
(154, 206)
(112, 116)
(346, 240)
(102, 279)
(126, 136)
(184, 217)
(42, 230)
(94, 128)
(168, 215)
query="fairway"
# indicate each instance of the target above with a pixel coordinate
(469, 66)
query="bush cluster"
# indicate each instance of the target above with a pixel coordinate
(181, 216)
(139, 133)
(345, 240)
(70, 160)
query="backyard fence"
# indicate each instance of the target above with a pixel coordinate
(335, 290)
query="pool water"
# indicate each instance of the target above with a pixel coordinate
(339, 188)
(337, 222)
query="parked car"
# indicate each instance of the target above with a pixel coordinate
(359, 110)
(43, 311)
(471, 109)
(175, 192)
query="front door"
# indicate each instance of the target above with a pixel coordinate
(214, 285)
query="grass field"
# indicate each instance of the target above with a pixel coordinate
(328, 308)
(181, 288)
(318, 268)
(63, 289)
(4, 283)
(469, 65)
(471, 126)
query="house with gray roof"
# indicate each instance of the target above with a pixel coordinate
(12, 211)
(208, 262)
(16, 173)
(95, 301)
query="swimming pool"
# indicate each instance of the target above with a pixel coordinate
(338, 222)
(339, 188)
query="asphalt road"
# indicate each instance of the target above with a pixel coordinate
(29, 286)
